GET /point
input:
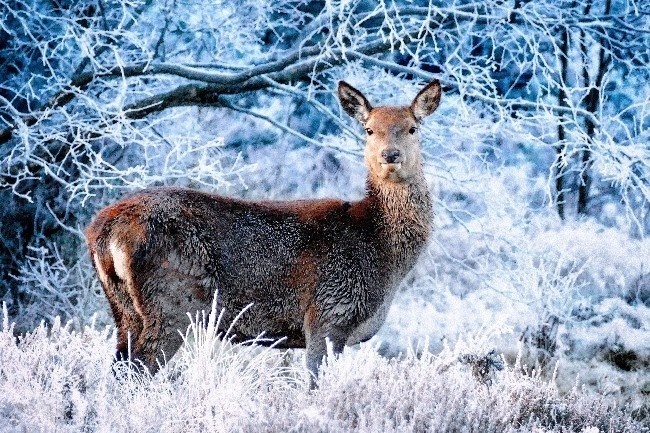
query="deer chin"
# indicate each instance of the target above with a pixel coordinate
(392, 171)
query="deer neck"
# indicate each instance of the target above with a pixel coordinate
(404, 213)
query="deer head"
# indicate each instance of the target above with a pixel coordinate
(392, 149)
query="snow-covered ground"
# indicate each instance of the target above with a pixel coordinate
(59, 380)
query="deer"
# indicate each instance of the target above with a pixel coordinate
(314, 270)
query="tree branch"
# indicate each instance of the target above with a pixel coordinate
(252, 80)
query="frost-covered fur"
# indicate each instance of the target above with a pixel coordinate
(313, 270)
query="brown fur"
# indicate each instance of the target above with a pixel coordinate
(313, 269)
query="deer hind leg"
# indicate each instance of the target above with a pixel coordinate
(127, 319)
(171, 296)
(160, 338)
(150, 311)
(129, 326)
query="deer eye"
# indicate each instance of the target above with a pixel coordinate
(412, 130)
(369, 131)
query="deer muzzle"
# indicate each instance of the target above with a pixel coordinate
(391, 159)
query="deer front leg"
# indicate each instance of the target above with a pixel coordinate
(316, 336)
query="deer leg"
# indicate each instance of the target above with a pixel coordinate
(127, 320)
(160, 338)
(317, 350)
(316, 337)
(165, 317)
(128, 329)
(145, 347)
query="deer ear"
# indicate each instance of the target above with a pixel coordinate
(427, 100)
(353, 102)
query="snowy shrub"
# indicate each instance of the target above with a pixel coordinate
(63, 290)
(58, 379)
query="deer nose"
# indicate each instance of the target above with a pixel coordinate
(390, 155)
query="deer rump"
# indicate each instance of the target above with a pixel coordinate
(172, 249)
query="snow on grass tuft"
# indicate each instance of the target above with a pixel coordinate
(56, 379)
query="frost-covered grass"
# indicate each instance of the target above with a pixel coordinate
(55, 379)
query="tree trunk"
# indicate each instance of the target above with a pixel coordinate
(560, 148)
(592, 102)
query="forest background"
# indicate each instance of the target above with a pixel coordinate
(539, 156)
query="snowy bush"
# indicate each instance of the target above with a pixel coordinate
(58, 379)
